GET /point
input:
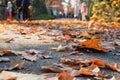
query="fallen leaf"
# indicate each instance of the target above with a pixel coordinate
(114, 67)
(85, 72)
(66, 31)
(7, 40)
(4, 59)
(58, 38)
(75, 73)
(74, 53)
(11, 78)
(56, 68)
(65, 76)
(61, 48)
(117, 42)
(46, 41)
(30, 56)
(99, 63)
(48, 76)
(95, 69)
(4, 75)
(69, 38)
(8, 52)
(17, 65)
(92, 44)
(51, 68)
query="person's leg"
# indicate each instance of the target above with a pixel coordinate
(18, 14)
(10, 15)
(25, 13)
(83, 17)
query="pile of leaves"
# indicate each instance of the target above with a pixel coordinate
(73, 68)
(79, 37)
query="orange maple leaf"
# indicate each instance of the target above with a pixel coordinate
(92, 44)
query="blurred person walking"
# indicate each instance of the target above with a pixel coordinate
(76, 11)
(22, 9)
(9, 9)
(84, 11)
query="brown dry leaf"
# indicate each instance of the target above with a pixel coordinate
(102, 64)
(65, 76)
(58, 38)
(68, 38)
(11, 78)
(56, 68)
(4, 59)
(7, 40)
(99, 63)
(23, 31)
(30, 56)
(51, 68)
(115, 25)
(85, 72)
(66, 31)
(8, 52)
(85, 34)
(92, 44)
(74, 61)
(17, 65)
(48, 76)
(34, 55)
(114, 67)
(46, 41)
(74, 53)
(4, 75)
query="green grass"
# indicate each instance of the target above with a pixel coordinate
(43, 16)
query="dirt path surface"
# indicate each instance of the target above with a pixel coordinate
(44, 43)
